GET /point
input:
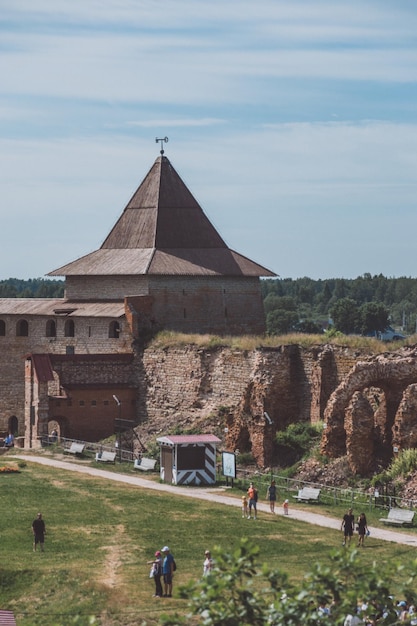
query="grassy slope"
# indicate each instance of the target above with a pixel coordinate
(99, 536)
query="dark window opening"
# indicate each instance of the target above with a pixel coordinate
(50, 328)
(191, 457)
(69, 350)
(69, 328)
(114, 330)
(2, 328)
(22, 328)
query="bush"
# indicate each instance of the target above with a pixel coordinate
(239, 593)
(295, 441)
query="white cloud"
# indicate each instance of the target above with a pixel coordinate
(245, 97)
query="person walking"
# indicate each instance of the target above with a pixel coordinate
(272, 496)
(362, 529)
(156, 573)
(208, 563)
(167, 571)
(348, 522)
(39, 531)
(244, 506)
(253, 499)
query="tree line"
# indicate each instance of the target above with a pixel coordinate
(32, 288)
(363, 305)
(360, 305)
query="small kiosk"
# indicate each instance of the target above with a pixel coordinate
(188, 459)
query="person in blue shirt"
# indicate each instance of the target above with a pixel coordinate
(9, 441)
(167, 571)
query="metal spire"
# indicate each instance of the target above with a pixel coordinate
(162, 140)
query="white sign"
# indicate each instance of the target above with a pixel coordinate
(229, 464)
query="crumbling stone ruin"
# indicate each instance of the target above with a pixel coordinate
(371, 415)
(366, 402)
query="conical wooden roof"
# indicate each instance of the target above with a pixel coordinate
(163, 231)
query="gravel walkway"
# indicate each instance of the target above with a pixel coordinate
(213, 494)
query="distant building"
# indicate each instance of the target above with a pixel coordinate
(162, 266)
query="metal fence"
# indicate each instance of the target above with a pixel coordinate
(288, 487)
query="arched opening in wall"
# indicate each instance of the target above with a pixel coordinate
(54, 430)
(2, 328)
(22, 328)
(13, 425)
(69, 328)
(114, 330)
(51, 328)
(57, 428)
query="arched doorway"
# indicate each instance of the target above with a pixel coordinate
(56, 429)
(14, 425)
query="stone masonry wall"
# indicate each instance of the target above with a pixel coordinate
(188, 387)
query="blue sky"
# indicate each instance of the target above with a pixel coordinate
(294, 124)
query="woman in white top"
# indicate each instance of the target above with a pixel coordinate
(208, 563)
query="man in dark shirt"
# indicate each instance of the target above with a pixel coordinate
(347, 526)
(38, 528)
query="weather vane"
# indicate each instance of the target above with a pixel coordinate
(162, 140)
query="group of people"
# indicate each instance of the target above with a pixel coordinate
(371, 613)
(348, 525)
(162, 567)
(250, 499)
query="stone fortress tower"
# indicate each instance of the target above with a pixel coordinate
(162, 266)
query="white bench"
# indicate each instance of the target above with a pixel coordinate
(145, 464)
(308, 494)
(106, 457)
(75, 448)
(399, 517)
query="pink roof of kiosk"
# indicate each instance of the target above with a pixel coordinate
(173, 440)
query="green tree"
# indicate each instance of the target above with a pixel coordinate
(280, 321)
(374, 316)
(239, 593)
(345, 315)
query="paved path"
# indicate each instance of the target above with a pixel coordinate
(213, 494)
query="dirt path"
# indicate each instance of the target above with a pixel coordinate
(213, 494)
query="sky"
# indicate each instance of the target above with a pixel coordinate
(294, 125)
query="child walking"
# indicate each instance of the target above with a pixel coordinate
(244, 506)
(285, 505)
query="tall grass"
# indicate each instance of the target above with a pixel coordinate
(167, 339)
(403, 465)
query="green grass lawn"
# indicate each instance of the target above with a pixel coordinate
(100, 535)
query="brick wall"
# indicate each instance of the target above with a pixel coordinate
(91, 337)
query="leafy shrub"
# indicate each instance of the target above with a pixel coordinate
(246, 458)
(405, 463)
(239, 592)
(295, 441)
